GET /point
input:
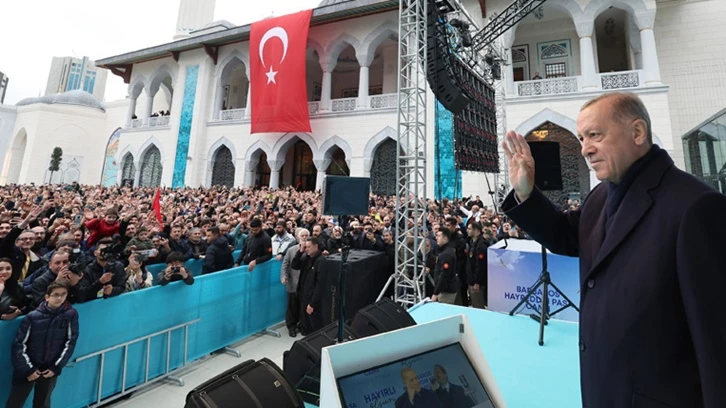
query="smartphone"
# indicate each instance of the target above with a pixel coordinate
(77, 220)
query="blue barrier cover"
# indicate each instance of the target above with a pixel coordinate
(228, 304)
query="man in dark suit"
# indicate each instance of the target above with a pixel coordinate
(450, 395)
(414, 396)
(650, 241)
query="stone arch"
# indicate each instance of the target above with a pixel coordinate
(314, 44)
(253, 152)
(152, 141)
(211, 156)
(158, 77)
(386, 133)
(127, 168)
(126, 150)
(145, 178)
(374, 39)
(595, 7)
(234, 54)
(335, 47)
(568, 6)
(289, 139)
(332, 142)
(17, 151)
(547, 115)
(222, 141)
(136, 86)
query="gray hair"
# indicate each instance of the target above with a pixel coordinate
(626, 106)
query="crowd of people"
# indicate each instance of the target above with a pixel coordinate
(91, 242)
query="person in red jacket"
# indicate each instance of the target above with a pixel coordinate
(101, 228)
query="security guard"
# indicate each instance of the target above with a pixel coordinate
(447, 284)
(476, 265)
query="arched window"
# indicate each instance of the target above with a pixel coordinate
(128, 169)
(383, 170)
(223, 168)
(151, 168)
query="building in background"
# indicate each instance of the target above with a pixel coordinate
(3, 86)
(71, 74)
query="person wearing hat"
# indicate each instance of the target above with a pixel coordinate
(258, 247)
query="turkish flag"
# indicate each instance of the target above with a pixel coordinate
(156, 206)
(277, 70)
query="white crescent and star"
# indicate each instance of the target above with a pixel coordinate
(274, 32)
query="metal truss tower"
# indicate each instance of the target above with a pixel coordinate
(409, 277)
(410, 227)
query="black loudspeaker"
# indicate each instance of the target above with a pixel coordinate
(258, 384)
(380, 317)
(440, 64)
(547, 167)
(367, 273)
(302, 363)
(127, 183)
(346, 195)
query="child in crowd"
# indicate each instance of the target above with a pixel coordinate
(43, 346)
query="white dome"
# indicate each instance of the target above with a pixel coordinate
(77, 97)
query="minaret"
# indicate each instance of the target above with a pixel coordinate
(193, 15)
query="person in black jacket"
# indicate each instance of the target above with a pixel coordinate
(11, 296)
(42, 347)
(258, 246)
(450, 395)
(175, 270)
(177, 243)
(104, 277)
(458, 242)
(310, 286)
(476, 266)
(218, 256)
(446, 285)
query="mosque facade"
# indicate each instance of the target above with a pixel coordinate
(194, 93)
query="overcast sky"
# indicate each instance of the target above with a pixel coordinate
(34, 31)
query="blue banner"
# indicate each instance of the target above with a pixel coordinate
(512, 272)
(232, 305)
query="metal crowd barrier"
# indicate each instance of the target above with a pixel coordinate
(167, 374)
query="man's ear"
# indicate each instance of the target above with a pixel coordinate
(639, 131)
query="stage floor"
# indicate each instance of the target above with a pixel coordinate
(528, 375)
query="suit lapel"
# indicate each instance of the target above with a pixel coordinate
(635, 205)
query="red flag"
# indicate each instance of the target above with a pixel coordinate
(277, 74)
(156, 206)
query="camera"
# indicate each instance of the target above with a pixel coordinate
(175, 269)
(111, 252)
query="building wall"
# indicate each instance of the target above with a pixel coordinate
(7, 124)
(692, 53)
(79, 131)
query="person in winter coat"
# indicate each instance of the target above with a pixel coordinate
(219, 255)
(11, 295)
(42, 347)
(101, 228)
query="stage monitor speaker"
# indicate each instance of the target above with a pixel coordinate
(547, 167)
(258, 384)
(346, 195)
(302, 363)
(380, 317)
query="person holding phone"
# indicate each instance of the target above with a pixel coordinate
(175, 270)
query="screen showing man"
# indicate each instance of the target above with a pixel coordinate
(439, 378)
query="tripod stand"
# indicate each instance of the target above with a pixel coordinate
(341, 291)
(546, 281)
